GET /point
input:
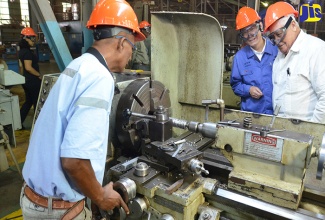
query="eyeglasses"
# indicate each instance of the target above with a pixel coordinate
(147, 29)
(32, 38)
(134, 48)
(279, 33)
(249, 32)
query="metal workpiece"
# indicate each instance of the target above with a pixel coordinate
(321, 160)
(207, 129)
(179, 123)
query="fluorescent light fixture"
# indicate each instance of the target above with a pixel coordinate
(265, 4)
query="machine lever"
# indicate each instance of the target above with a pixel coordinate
(264, 132)
(232, 122)
(276, 112)
(177, 150)
(175, 186)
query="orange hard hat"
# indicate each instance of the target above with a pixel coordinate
(27, 31)
(144, 24)
(245, 17)
(277, 11)
(115, 13)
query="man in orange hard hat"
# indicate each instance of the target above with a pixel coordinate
(142, 56)
(66, 158)
(298, 70)
(251, 76)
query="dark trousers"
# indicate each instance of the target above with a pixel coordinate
(31, 89)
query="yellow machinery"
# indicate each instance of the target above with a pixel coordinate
(170, 176)
(179, 154)
(227, 164)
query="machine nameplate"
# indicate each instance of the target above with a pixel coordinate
(269, 148)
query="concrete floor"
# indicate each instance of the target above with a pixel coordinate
(10, 180)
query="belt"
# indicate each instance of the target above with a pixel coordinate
(43, 201)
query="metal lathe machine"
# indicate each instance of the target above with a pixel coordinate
(177, 153)
(182, 155)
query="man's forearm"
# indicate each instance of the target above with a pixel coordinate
(82, 175)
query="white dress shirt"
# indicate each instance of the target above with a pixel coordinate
(299, 80)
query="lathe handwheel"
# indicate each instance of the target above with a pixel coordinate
(321, 160)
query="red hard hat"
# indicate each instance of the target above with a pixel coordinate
(144, 24)
(245, 17)
(277, 11)
(115, 13)
(27, 31)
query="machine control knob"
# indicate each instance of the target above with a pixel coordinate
(141, 169)
(126, 188)
(44, 91)
(137, 207)
(46, 82)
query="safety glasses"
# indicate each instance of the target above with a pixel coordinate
(249, 32)
(147, 29)
(134, 48)
(277, 36)
(32, 38)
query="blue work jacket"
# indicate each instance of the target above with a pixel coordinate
(247, 71)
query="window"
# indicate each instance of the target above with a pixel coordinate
(5, 17)
(24, 12)
(66, 7)
(4, 12)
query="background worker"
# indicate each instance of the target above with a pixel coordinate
(251, 76)
(67, 153)
(298, 70)
(141, 58)
(145, 28)
(30, 70)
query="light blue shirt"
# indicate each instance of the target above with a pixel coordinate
(73, 123)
